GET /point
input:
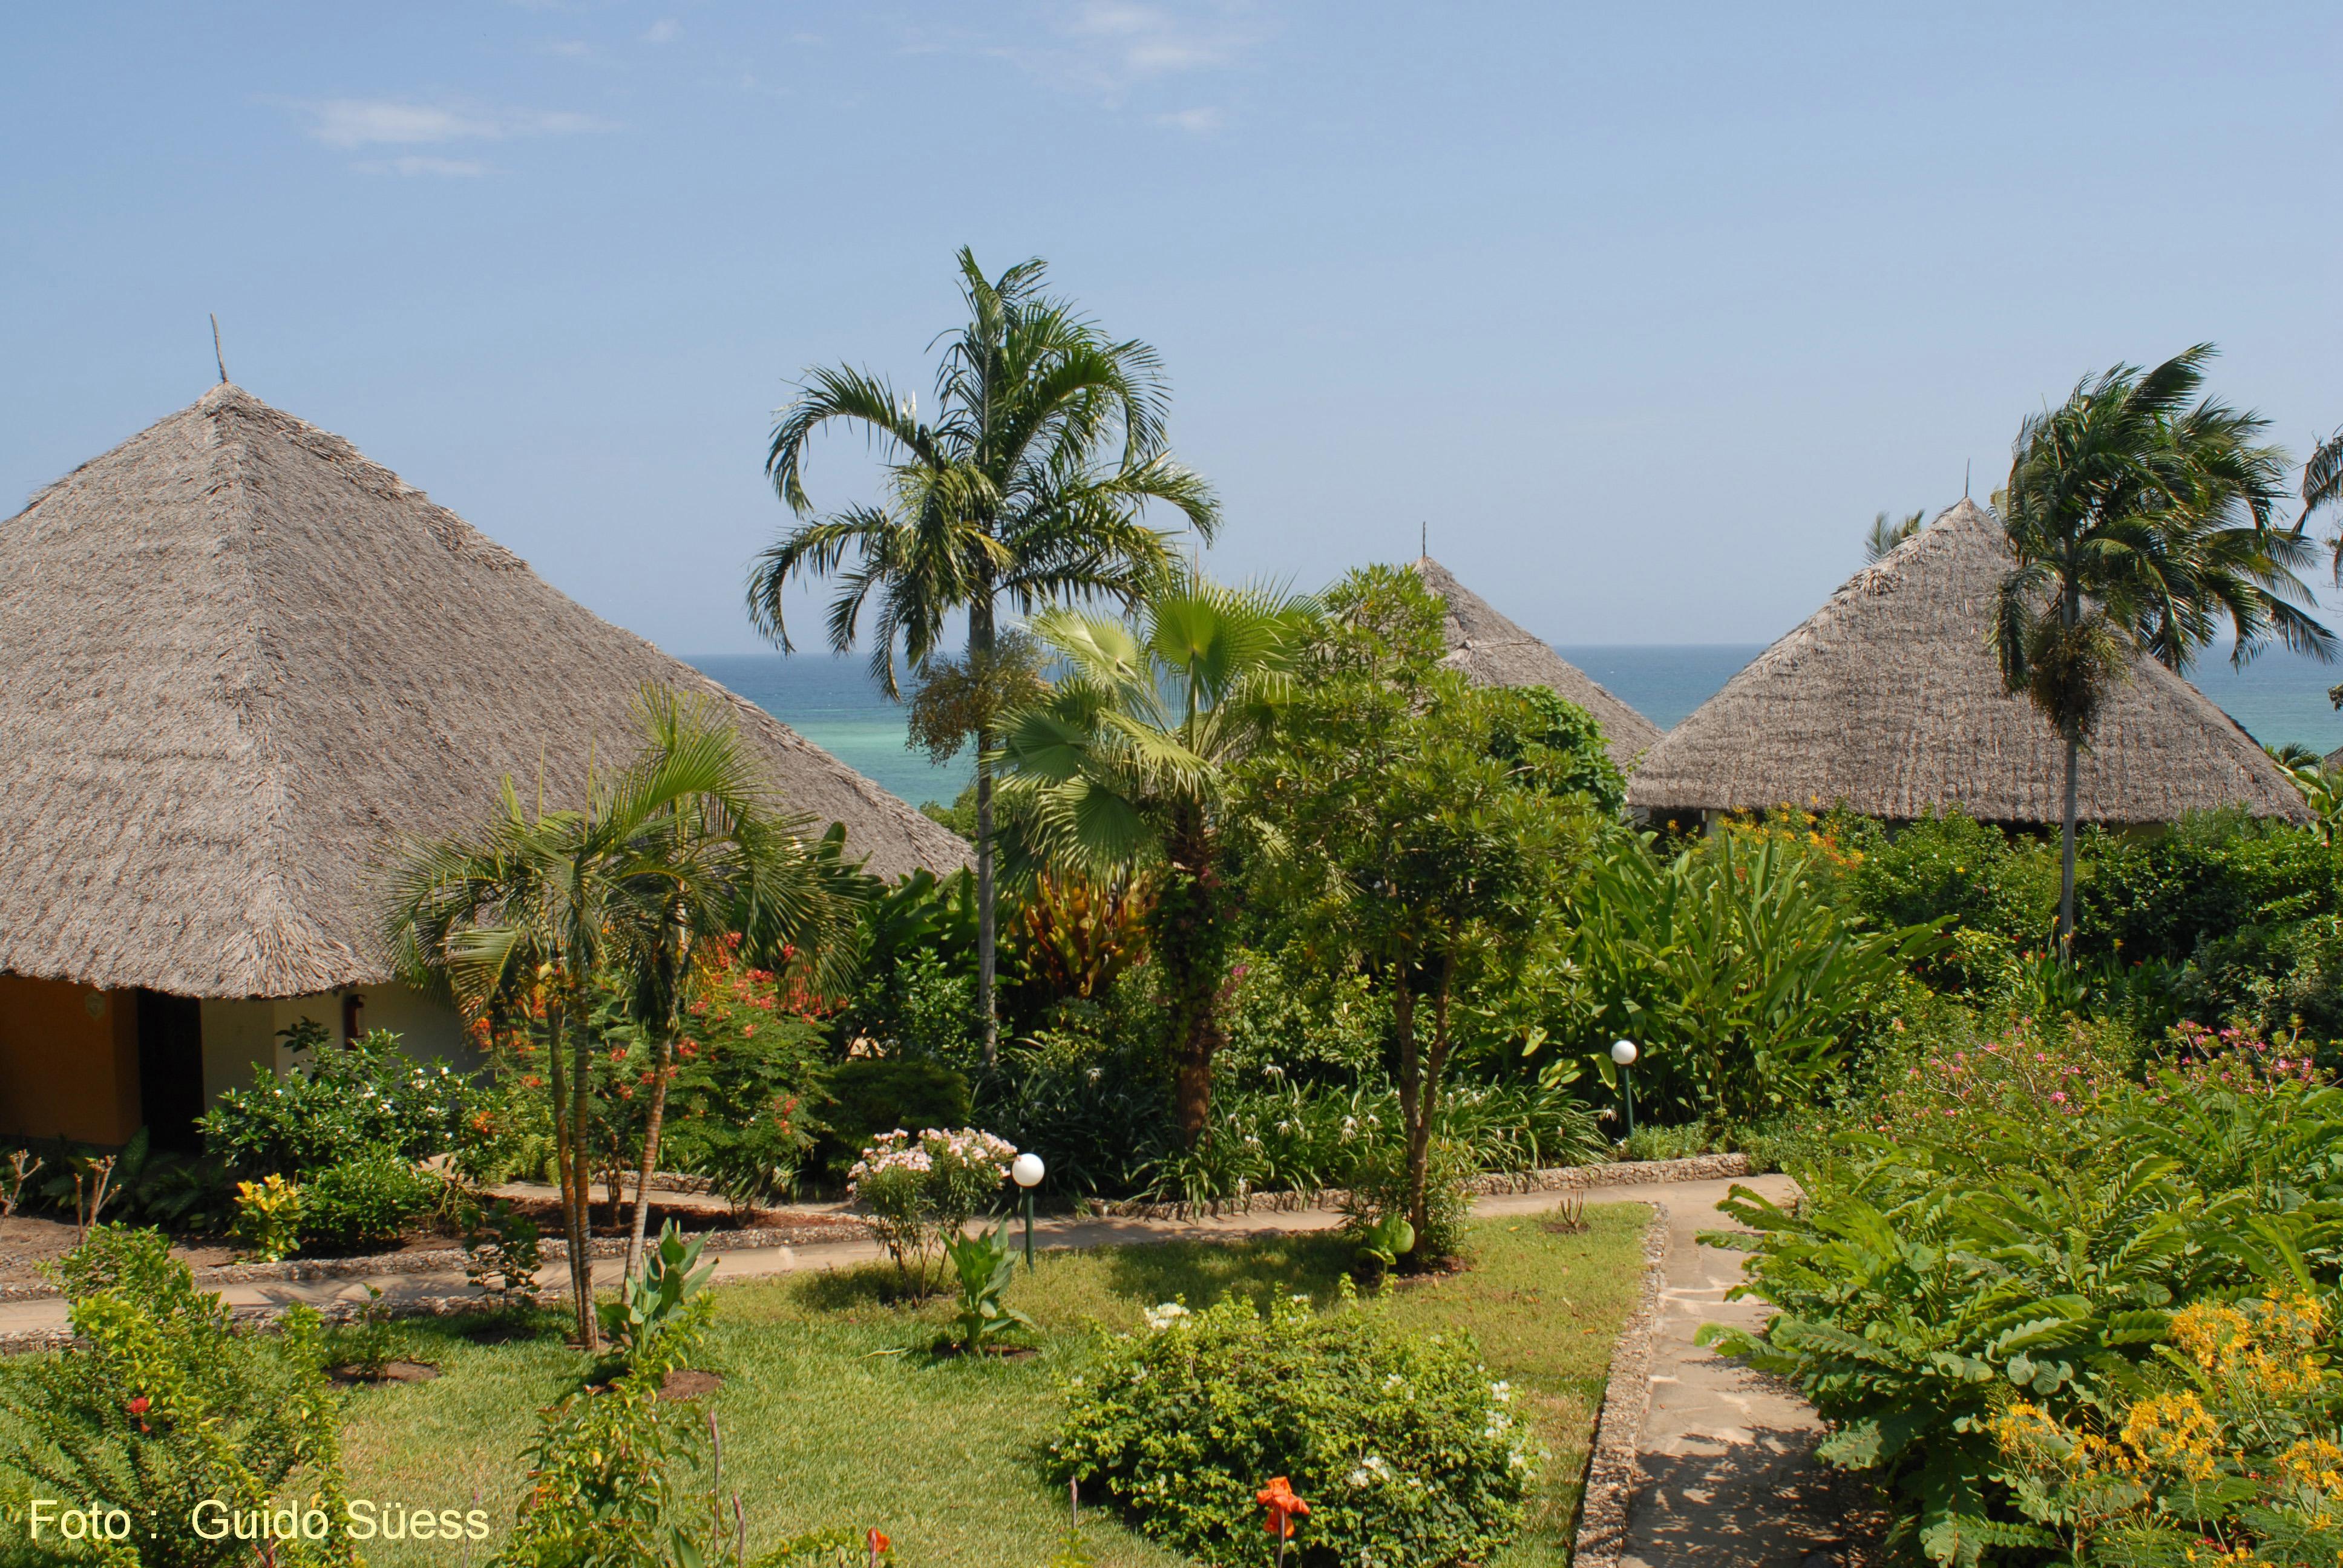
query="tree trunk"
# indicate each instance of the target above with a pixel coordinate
(569, 1169)
(1417, 1107)
(651, 1157)
(980, 657)
(1191, 943)
(581, 1264)
(1410, 1090)
(2067, 853)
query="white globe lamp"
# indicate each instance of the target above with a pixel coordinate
(1623, 1052)
(1027, 1171)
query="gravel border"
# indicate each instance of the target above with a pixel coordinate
(1548, 1179)
(441, 1260)
(1612, 1472)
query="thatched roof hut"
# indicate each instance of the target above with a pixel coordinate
(238, 662)
(1889, 699)
(1495, 651)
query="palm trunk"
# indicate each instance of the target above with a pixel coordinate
(570, 1166)
(980, 657)
(651, 1157)
(581, 1264)
(2066, 852)
(1189, 943)
(1411, 1088)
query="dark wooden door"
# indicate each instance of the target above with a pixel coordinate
(171, 1070)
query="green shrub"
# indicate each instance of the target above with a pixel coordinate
(2208, 875)
(1286, 1014)
(268, 1218)
(337, 1103)
(1735, 969)
(871, 1095)
(159, 1404)
(1404, 1449)
(1994, 894)
(920, 1192)
(363, 1203)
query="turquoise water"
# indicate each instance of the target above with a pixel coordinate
(830, 701)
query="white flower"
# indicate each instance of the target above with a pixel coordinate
(1160, 1318)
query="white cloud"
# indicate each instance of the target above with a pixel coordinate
(351, 123)
(1199, 121)
(663, 31)
(1108, 47)
(414, 164)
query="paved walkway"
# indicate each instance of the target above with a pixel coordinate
(1727, 1455)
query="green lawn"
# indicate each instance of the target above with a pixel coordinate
(834, 1413)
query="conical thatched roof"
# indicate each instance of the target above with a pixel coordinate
(1889, 699)
(238, 662)
(1495, 651)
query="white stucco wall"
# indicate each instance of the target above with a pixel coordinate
(241, 1035)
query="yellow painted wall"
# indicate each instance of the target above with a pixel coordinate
(68, 1061)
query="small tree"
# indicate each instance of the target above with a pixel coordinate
(1408, 819)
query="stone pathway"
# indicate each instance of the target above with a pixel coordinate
(1728, 1476)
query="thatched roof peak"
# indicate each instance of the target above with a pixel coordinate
(239, 663)
(1495, 651)
(1889, 699)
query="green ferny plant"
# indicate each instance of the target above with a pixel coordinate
(655, 1298)
(985, 1266)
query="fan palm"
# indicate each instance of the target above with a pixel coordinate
(1124, 765)
(1027, 489)
(2140, 520)
(678, 851)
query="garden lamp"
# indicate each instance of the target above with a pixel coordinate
(1028, 1169)
(1623, 1052)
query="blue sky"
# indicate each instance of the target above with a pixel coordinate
(1644, 311)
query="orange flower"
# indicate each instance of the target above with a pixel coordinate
(878, 1542)
(1284, 1507)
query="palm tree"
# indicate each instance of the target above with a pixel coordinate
(531, 911)
(1124, 765)
(1027, 489)
(2139, 522)
(1883, 535)
(2322, 486)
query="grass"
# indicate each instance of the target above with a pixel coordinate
(834, 1412)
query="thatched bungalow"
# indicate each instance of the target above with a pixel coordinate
(239, 664)
(1495, 651)
(1889, 699)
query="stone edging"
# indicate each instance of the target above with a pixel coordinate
(1612, 1468)
(1548, 1179)
(441, 1260)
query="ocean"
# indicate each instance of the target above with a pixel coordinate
(832, 702)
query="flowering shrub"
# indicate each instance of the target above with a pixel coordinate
(337, 1103)
(920, 1189)
(1408, 1453)
(363, 1203)
(2057, 1307)
(159, 1403)
(2231, 1459)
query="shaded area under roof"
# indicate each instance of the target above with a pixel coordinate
(239, 663)
(1495, 651)
(1889, 699)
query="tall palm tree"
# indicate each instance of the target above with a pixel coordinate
(532, 910)
(1027, 489)
(2139, 521)
(1884, 535)
(2322, 488)
(1124, 765)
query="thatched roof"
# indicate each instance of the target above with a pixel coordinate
(1495, 651)
(1889, 699)
(238, 662)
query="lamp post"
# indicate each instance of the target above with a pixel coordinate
(1028, 1170)
(1623, 1052)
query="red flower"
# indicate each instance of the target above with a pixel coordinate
(877, 1541)
(1284, 1507)
(138, 1406)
